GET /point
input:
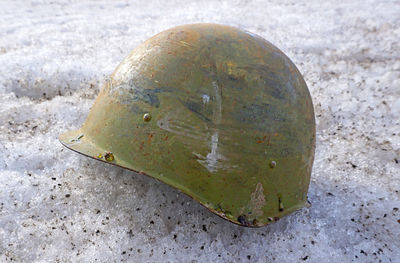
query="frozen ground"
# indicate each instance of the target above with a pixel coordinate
(57, 206)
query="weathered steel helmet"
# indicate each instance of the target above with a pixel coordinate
(214, 111)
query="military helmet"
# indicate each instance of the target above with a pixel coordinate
(217, 112)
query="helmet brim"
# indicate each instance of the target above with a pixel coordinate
(77, 142)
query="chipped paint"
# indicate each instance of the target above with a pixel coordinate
(257, 201)
(179, 127)
(217, 113)
(213, 159)
(206, 99)
(77, 139)
(281, 206)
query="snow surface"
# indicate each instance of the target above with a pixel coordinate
(58, 206)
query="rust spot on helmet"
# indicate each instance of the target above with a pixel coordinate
(109, 156)
(150, 137)
(261, 140)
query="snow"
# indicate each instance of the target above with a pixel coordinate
(57, 206)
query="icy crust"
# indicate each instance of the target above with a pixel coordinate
(56, 205)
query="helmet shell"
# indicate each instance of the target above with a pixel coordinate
(216, 112)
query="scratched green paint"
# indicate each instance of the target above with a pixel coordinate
(224, 105)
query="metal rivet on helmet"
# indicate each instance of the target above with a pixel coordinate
(147, 117)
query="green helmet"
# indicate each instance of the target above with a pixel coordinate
(216, 112)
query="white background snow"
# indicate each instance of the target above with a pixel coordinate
(58, 206)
